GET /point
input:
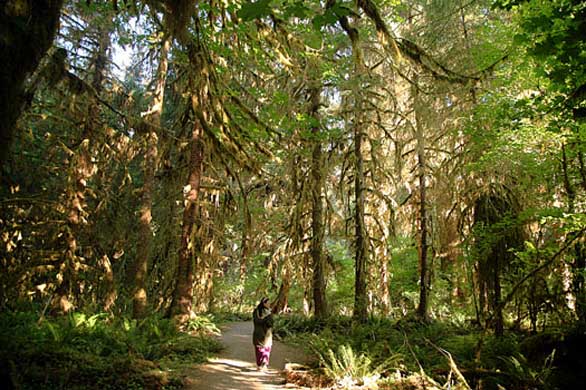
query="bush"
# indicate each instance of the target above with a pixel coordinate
(348, 368)
(202, 324)
(95, 351)
(379, 345)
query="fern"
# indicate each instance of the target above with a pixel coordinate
(347, 368)
(202, 324)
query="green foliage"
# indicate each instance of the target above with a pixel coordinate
(348, 368)
(254, 10)
(554, 32)
(521, 369)
(348, 351)
(202, 324)
(95, 351)
(340, 290)
(404, 274)
(289, 325)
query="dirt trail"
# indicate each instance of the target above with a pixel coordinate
(235, 368)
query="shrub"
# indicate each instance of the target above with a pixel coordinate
(348, 368)
(95, 351)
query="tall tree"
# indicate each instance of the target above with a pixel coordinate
(183, 294)
(81, 170)
(360, 234)
(317, 215)
(153, 119)
(422, 308)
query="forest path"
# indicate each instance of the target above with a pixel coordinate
(235, 367)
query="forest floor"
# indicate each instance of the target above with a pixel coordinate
(235, 368)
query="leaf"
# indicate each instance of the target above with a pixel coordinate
(314, 39)
(254, 10)
(328, 18)
(297, 10)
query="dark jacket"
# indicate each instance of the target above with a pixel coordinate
(263, 327)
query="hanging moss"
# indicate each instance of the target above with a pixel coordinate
(177, 15)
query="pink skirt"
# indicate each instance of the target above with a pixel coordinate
(262, 355)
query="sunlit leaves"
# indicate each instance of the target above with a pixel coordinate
(329, 16)
(554, 33)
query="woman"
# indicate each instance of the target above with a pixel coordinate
(262, 337)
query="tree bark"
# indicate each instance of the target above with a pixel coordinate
(317, 219)
(385, 298)
(246, 231)
(190, 246)
(27, 33)
(360, 285)
(360, 313)
(181, 306)
(282, 301)
(422, 308)
(150, 166)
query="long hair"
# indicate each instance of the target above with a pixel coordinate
(262, 302)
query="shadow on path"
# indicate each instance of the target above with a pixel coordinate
(235, 368)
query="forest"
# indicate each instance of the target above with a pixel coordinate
(405, 180)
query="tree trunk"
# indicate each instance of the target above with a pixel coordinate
(109, 296)
(317, 219)
(282, 301)
(190, 246)
(82, 168)
(361, 255)
(385, 298)
(360, 313)
(245, 246)
(360, 297)
(422, 308)
(27, 33)
(493, 244)
(579, 280)
(579, 264)
(498, 310)
(181, 306)
(150, 166)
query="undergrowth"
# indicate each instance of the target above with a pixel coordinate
(442, 353)
(82, 351)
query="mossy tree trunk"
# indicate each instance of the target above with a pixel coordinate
(422, 308)
(183, 294)
(191, 232)
(360, 236)
(317, 218)
(153, 118)
(27, 30)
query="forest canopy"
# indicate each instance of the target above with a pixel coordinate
(361, 159)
